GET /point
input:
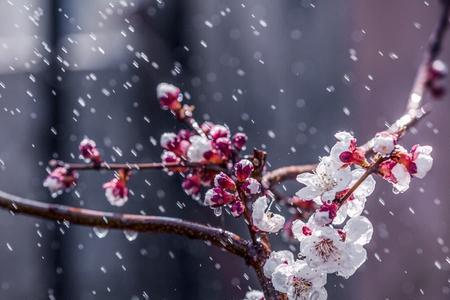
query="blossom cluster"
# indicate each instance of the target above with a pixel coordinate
(227, 191)
(215, 145)
(332, 239)
(64, 178)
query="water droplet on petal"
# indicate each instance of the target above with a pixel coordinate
(217, 211)
(100, 232)
(130, 235)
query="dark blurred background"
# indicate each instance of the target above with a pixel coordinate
(289, 73)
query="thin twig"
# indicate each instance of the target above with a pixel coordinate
(94, 218)
(133, 166)
(285, 173)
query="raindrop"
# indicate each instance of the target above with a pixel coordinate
(346, 111)
(217, 211)
(377, 256)
(438, 265)
(130, 235)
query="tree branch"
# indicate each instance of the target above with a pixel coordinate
(86, 217)
(133, 166)
(285, 173)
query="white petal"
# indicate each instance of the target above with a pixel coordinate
(337, 149)
(308, 193)
(423, 162)
(302, 270)
(319, 294)
(281, 278)
(258, 208)
(403, 178)
(344, 136)
(355, 207)
(356, 256)
(368, 185)
(199, 146)
(277, 258)
(341, 214)
(359, 230)
(306, 178)
(166, 138)
(329, 195)
(254, 295)
(343, 177)
(164, 88)
(321, 218)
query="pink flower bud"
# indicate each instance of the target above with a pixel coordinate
(59, 180)
(239, 140)
(217, 197)
(437, 91)
(224, 181)
(223, 144)
(168, 157)
(346, 157)
(89, 151)
(213, 156)
(237, 208)
(169, 141)
(438, 69)
(169, 96)
(116, 191)
(251, 186)
(385, 169)
(206, 127)
(243, 169)
(184, 134)
(191, 185)
(219, 131)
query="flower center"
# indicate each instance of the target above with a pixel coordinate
(301, 287)
(327, 181)
(325, 248)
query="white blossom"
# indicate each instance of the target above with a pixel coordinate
(199, 146)
(54, 184)
(266, 221)
(383, 142)
(325, 250)
(328, 179)
(299, 281)
(116, 192)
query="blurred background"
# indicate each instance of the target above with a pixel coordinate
(288, 73)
